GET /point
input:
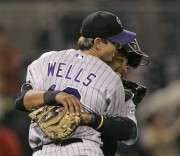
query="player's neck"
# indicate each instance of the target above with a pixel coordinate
(91, 52)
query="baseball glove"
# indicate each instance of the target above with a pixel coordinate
(56, 125)
(139, 91)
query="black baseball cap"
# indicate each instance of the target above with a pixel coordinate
(104, 24)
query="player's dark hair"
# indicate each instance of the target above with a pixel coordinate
(105, 41)
(87, 43)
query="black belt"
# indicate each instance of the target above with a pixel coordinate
(62, 143)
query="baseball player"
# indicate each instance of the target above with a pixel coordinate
(125, 127)
(115, 129)
(80, 72)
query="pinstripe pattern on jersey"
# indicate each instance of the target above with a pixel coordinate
(86, 148)
(100, 88)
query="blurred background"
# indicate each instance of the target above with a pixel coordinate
(30, 28)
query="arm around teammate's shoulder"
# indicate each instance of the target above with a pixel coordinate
(30, 99)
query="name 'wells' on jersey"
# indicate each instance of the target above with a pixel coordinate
(62, 69)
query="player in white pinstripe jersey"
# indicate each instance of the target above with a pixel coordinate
(113, 129)
(84, 75)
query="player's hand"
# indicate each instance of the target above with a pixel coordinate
(70, 103)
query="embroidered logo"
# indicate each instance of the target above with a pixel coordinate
(118, 20)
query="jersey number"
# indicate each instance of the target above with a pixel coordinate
(68, 90)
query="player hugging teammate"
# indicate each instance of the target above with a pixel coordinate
(85, 83)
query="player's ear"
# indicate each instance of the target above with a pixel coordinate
(97, 43)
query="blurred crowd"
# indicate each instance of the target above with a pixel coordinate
(160, 122)
(13, 124)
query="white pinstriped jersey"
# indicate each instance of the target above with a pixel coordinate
(87, 77)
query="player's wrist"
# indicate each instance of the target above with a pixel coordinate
(49, 97)
(96, 121)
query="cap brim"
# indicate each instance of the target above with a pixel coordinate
(124, 37)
